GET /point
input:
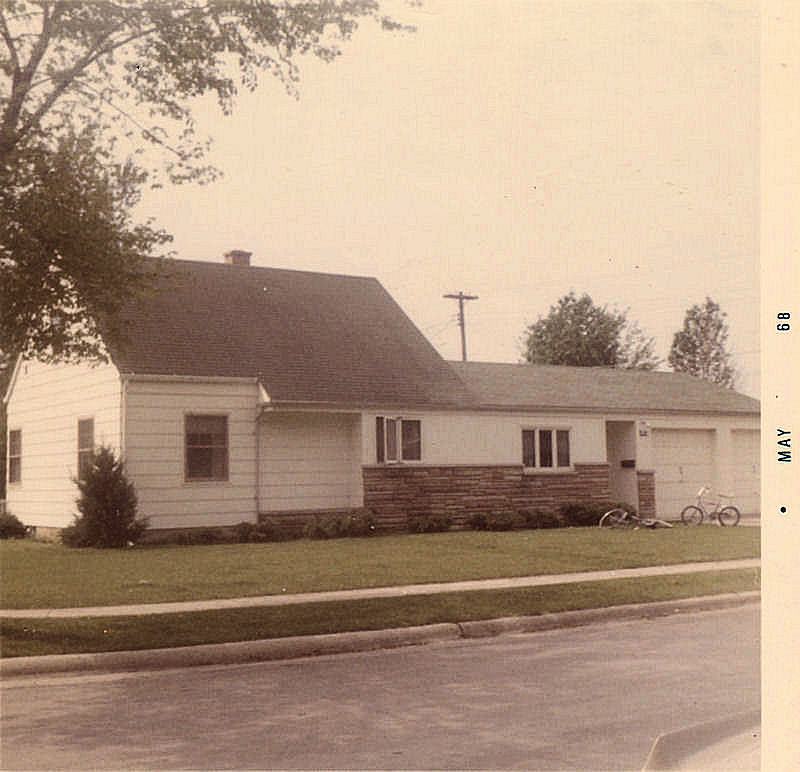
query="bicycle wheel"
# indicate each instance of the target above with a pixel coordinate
(692, 515)
(728, 516)
(615, 518)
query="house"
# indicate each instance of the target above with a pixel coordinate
(242, 392)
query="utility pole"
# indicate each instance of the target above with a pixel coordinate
(461, 297)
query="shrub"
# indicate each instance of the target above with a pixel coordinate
(262, 531)
(587, 513)
(11, 527)
(359, 522)
(580, 513)
(107, 506)
(477, 521)
(323, 527)
(499, 520)
(200, 536)
(429, 522)
(540, 518)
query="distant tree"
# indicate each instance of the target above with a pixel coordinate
(96, 101)
(577, 332)
(699, 347)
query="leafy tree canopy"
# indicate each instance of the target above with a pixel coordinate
(698, 348)
(579, 333)
(95, 102)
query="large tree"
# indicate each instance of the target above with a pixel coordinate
(698, 348)
(95, 102)
(577, 332)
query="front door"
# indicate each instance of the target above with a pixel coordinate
(621, 454)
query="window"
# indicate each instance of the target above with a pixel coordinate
(398, 439)
(85, 445)
(545, 448)
(206, 447)
(15, 456)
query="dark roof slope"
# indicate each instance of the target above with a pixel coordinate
(597, 388)
(308, 337)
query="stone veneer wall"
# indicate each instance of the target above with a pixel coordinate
(647, 493)
(395, 491)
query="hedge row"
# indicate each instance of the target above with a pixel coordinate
(362, 522)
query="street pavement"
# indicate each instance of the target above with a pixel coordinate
(585, 698)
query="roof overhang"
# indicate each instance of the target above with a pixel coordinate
(12, 380)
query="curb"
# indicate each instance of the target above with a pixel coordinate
(342, 643)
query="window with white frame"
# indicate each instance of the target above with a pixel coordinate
(85, 446)
(546, 449)
(398, 439)
(15, 456)
(206, 447)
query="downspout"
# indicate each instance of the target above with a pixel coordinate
(123, 417)
(263, 399)
(259, 416)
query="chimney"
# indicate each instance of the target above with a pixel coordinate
(237, 257)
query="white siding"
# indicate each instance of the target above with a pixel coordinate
(491, 438)
(155, 411)
(310, 461)
(46, 403)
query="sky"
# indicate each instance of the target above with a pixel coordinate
(514, 150)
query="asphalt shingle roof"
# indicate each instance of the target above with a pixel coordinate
(308, 337)
(524, 386)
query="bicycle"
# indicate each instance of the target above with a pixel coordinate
(694, 514)
(619, 518)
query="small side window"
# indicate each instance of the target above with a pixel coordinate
(15, 456)
(85, 445)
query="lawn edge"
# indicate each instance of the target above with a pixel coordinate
(243, 652)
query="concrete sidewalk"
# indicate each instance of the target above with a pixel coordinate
(366, 640)
(379, 592)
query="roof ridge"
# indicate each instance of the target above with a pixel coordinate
(244, 268)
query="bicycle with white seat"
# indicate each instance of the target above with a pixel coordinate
(712, 507)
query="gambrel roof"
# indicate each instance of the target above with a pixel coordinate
(555, 387)
(309, 338)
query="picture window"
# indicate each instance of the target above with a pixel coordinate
(546, 449)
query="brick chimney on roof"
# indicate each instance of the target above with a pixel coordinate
(237, 257)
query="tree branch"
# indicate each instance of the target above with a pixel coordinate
(9, 41)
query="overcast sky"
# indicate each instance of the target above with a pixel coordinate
(515, 151)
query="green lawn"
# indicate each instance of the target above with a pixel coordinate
(30, 637)
(41, 575)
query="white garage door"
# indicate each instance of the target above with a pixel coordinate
(684, 462)
(747, 469)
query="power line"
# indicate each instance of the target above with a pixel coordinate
(461, 297)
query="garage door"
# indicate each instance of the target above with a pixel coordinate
(746, 473)
(684, 462)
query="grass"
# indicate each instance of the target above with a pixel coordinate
(42, 575)
(28, 637)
